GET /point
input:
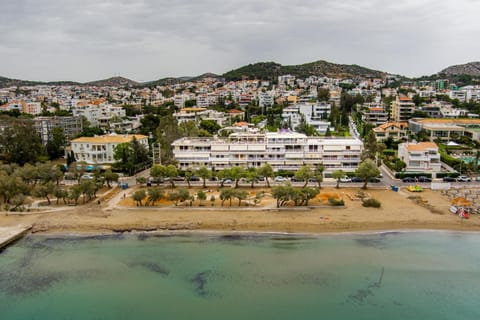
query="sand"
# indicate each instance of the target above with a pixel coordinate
(115, 213)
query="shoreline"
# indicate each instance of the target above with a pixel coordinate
(400, 211)
(245, 233)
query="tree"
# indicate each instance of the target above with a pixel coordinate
(240, 195)
(75, 193)
(138, 196)
(61, 193)
(283, 194)
(226, 194)
(323, 94)
(171, 172)
(211, 126)
(306, 194)
(157, 172)
(338, 174)
(266, 171)
(237, 173)
(318, 174)
(44, 191)
(19, 141)
(304, 173)
(123, 154)
(155, 194)
(252, 175)
(201, 196)
(367, 170)
(204, 173)
(110, 177)
(56, 145)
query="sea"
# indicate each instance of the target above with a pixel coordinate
(390, 275)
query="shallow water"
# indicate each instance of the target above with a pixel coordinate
(418, 275)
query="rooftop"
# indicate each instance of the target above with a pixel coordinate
(110, 138)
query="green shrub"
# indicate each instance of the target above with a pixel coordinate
(334, 202)
(374, 203)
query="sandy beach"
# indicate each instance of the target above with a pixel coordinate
(400, 210)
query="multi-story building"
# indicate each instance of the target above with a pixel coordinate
(422, 156)
(374, 114)
(402, 109)
(315, 115)
(71, 126)
(282, 150)
(100, 149)
(99, 115)
(395, 130)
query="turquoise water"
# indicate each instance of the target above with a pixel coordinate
(418, 275)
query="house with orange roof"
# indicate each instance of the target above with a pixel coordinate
(395, 130)
(420, 157)
(100, 149)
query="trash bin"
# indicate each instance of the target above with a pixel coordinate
(124, 186)
(394, 188)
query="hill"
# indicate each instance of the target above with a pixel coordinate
(471, 69)
(271, 70)
(113, 82)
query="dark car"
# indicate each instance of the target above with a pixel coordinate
(449, 179)
(357, 179)
(424, 179)
(374, 180)
(408, 179)
(194, 178)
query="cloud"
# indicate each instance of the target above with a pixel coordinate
(148, 39)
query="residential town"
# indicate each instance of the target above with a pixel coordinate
(326, 126)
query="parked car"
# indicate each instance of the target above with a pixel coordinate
(345, 179)
(477, 178)
(313, 179)
(374, 180)
(357, 179)
(280, 179)
(449, 179)
(463, 179)
(194, 178)
(293, 179)
(408, 179)
(424, 179)
(227, 181)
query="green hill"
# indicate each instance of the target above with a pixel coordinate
(271, 70)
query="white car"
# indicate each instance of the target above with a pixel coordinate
(463, 179)
(345, 179)
(280, 179)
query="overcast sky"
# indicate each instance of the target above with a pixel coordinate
(151, 39)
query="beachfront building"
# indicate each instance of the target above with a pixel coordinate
(100, 149)
(284, 150)
(420, 157)
(395, 130)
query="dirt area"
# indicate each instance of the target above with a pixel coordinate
(399, 210)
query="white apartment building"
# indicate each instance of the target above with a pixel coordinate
(282, 150)
(422, 156)
(315, 115)
(265, 99)
(99, 115)
(197, 114)
(100, 149)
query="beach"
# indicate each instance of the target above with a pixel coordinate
(399, 211)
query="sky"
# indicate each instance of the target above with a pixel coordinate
(144, 40)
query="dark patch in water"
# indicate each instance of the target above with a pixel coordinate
(19, 283)
(110, 236)
(200, 281)
(376, 242)
(363, 293)
(153, 267)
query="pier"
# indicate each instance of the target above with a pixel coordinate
(12, 233)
